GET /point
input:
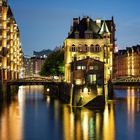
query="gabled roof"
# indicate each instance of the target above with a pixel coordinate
(86, 24)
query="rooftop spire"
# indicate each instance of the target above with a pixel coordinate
(104, 28)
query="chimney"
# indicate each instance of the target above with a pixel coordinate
(98, 22)
(76, 21)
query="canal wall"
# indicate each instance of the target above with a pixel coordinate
(110, 90)
(61, 91)
(77, 96)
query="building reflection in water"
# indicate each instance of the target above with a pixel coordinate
(12, 115)
(11, 120)
(132, 107)
(66, 122)
(89, 125)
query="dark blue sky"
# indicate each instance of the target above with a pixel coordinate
(44, 24)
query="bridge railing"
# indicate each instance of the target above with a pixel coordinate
(127, 79)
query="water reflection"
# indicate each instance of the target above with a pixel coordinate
(89, 125)
(30, 116)
(131, 107)
(10, 120)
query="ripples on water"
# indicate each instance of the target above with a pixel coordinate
(30, 116)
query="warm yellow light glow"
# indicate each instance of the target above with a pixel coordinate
(85, 90)
(131, 107)
(85, 126)
(99, 90)
(133, 69)
(48, 90)
(69, 54)
(78, 81)
(109, 123)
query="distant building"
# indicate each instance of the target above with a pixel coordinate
(42, 54)
(90, 38)
(28, 66)
(11, 56)
(127, 62)
(33, 66)
(37, 63)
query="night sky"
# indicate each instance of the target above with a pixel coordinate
(44, 24)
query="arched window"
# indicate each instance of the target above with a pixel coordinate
(73, 48)
(80, 49)
(97, 48)
(85, 48)
(91, 48)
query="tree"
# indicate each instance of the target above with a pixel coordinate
(54, 64)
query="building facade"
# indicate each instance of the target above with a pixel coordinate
(32, 66)
(10, 47)
(37, 65)
(28, 67)
(88, 80)
(127, 62)
(93, 39)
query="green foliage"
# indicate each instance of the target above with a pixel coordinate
(54, 64)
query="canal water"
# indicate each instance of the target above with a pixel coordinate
(31, 116)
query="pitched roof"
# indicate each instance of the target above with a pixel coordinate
(86, 24)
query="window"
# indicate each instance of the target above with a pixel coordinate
(73, 48)
(90, 67)
(92, 78)
(96, 67)
(78, 67)
(97, 48)
(92, 48)
(80, 48)
(83, 67)
(88, 34)
(76, 34)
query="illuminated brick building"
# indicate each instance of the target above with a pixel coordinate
(90, 39)
(127, 62)
(10, 46)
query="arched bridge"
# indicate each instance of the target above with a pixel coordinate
(33, 81)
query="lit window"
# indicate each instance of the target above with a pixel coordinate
(92, 78)
(83, 67)
(78, 67)
(91, 67)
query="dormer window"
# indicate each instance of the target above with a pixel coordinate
(88, 34)
(76, 33)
